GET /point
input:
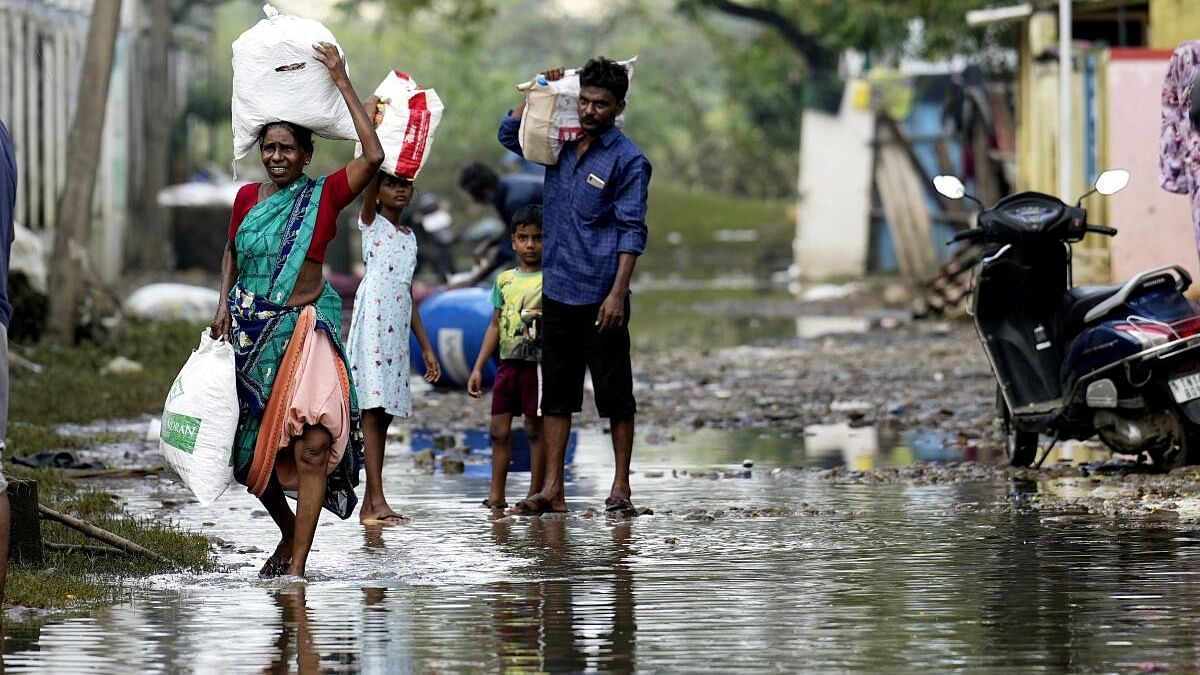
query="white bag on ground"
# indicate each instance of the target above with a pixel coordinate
(406, 124)
(277, 78)
(551, 116)
(200, 418)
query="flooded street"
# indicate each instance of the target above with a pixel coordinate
(779, 571)
(828, 496)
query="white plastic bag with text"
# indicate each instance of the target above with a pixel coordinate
(200, 419)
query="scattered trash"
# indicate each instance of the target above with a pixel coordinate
(736, 236)
(18, 360)
(170, 302)
(122, 366)
(61, 459)
(824, 292)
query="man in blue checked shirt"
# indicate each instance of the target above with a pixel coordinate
(594, 224)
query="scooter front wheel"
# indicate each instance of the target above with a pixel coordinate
(1019, 446)
(1022, 446)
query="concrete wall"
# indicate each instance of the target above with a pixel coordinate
(833, 221)
(1156, 225)
(1173, 22)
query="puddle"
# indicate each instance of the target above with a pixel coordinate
(830, 577)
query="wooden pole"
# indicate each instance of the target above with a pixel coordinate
(148, 248)
(25, 535)
(72, 233)
(102, 535)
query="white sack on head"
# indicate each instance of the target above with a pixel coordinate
(405, 124)
(551, 116)
(277, 78)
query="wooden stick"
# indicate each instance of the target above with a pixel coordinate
(131, 472)
(102, 535)
(90, 550)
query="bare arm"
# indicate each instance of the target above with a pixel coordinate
(491, 340)
(433, 370)
(612, 310)
(222, 322)
(362, 169)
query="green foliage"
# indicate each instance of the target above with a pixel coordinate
(715, 101)
(700, 121)
(882, 28)
(72, 388)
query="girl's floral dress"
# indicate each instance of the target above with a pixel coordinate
(378, 345)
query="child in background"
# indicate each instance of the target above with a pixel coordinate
(515, 328)
(383, 316)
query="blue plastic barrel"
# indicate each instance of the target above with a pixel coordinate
(455, 321)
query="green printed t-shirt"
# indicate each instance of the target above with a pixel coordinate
(518, 296)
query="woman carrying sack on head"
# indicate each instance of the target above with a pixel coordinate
(299, 427)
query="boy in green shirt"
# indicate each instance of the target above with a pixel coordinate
(516, 329)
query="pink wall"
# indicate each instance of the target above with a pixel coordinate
(1156, 225)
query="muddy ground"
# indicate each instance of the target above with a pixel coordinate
(911, 375)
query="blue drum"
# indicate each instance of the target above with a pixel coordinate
(456, 322)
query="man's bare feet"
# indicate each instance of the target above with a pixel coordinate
(537, 505)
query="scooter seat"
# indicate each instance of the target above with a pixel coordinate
(1076, 303)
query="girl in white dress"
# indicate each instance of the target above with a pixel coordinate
(378, 345)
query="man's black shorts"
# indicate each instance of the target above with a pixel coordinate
(571, 343)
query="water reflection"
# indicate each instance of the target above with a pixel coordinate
(858, 448)
(562, 623)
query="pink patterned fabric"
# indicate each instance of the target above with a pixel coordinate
(1179, 143)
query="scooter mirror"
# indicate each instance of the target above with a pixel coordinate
(950, 187)
(1112, 181)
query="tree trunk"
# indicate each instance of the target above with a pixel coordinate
(72, 230)
(147, 248)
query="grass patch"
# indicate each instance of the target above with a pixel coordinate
(67, 579)
(685, 228)
(73, 390)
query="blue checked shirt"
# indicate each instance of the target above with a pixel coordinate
(593, 210)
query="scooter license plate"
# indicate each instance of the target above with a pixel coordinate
(1186, 388)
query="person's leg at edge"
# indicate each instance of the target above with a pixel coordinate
(562, 372)
(312, 450)
(612, 374)
(501, 456)
(374, 506)
(557, 429)
(535, 430)
(276, 504)
(5, 521)
(622, 442)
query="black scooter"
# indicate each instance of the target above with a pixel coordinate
(1120, 362)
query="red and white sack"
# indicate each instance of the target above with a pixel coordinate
(277, 78)
(405, 124)
(551, 116)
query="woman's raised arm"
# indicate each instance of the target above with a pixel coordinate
(362, 169)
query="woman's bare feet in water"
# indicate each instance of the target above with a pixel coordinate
(382, 515)
(279, 564)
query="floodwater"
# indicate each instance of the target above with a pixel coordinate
(821, 577)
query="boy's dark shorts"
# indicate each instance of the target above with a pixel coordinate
(570, 344)
(518, 388)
